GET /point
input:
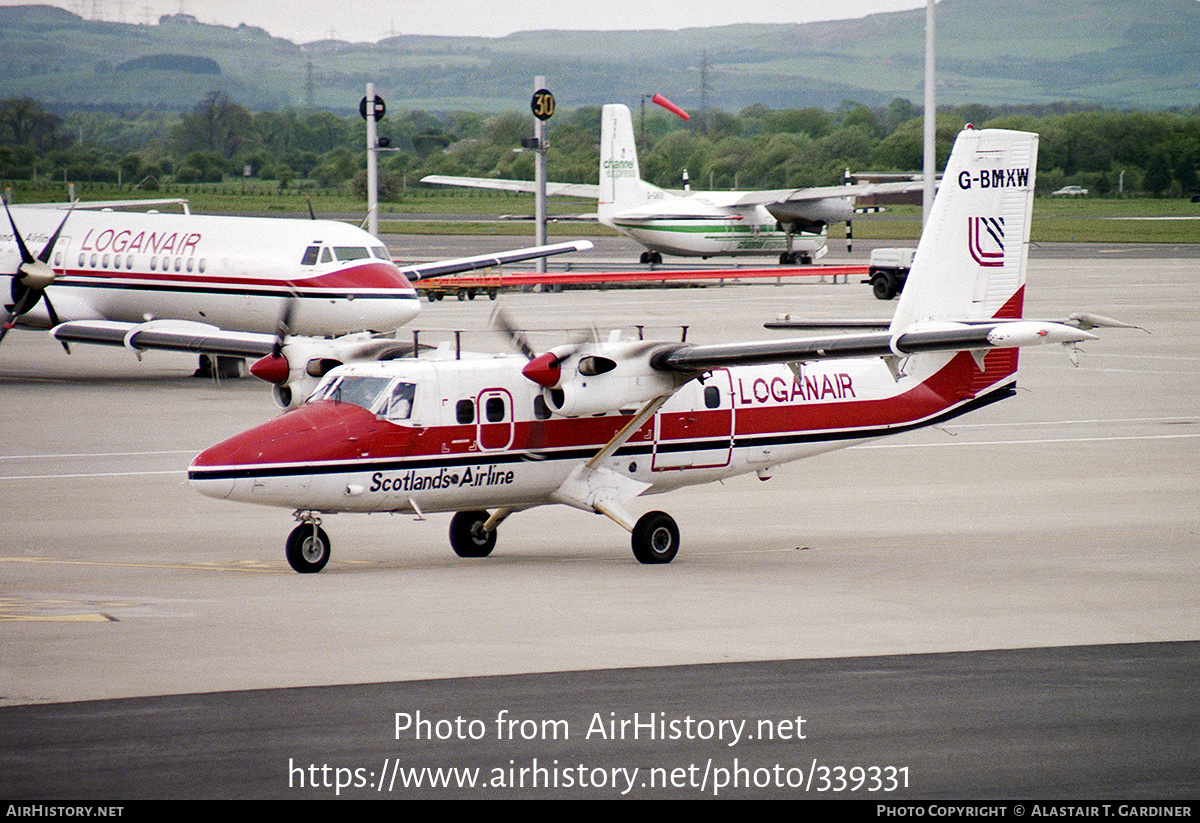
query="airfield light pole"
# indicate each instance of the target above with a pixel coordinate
(543, 107)
(372, 166)
(930, 119)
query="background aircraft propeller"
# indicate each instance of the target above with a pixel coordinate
(31, 277)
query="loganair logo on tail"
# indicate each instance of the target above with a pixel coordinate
(985, 238)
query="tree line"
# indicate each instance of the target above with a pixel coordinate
(1105, 151)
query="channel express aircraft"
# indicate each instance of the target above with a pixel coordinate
(593, 425)
(213, 284)
(704, 224)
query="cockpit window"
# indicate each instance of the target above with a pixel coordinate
(380, 252)
(310, 256)
(345, 253)
(360, 390)
(326, 255)
(399, 407)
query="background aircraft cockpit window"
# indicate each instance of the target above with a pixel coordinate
(345, 253)
(310, 256)
(352, 388)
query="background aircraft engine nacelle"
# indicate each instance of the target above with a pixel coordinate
(811, 213)
(609, 381)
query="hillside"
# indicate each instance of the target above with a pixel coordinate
(1142, 54)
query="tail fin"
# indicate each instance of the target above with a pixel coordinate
(970, 262)
(621, 186)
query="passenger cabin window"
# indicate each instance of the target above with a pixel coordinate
(494, 409)
(712, 397)
(310, 256)
(464, 412)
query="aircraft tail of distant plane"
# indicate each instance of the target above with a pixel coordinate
(971, 260)
(621, 185)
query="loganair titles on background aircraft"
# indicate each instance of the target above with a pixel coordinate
(593, 425)
(214, 284)
(699, 223)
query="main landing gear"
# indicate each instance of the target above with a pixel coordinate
(468, 537)
(655, 537)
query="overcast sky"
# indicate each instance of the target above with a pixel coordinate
(372, 20)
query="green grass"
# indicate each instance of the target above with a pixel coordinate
(1083, 220)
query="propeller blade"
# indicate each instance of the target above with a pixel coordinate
(45, 255)
(26, 257)
(501, 322)
(283, 326)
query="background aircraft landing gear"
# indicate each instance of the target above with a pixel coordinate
(651, 257)
(468, 538)
(655, 538)
(307, 548)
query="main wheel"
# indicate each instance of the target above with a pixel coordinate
(655, 538)
(467, 536)
(307, 548)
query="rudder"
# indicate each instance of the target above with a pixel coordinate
(971, 260)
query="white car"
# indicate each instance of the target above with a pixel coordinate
(1070, 191)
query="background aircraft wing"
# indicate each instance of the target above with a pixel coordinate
(589, 191)
(166, 335)
(420, 271)
(769, 197)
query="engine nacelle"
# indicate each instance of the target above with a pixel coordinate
(609, 378)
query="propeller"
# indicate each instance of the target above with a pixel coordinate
(543, 369)
(274, 367)
(32, 276)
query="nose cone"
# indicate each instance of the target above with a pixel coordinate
(282, 452)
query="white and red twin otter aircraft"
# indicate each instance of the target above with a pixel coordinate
(593, 425)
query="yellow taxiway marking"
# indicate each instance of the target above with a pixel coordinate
(247, 566)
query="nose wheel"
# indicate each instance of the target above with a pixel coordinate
(307, 548)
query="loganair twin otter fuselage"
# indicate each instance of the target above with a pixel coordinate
(593, 425)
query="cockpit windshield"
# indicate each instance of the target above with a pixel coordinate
(381, 395)
(361, 390)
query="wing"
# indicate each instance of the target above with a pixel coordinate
(940, 337)
(588, 191)
(420, 271)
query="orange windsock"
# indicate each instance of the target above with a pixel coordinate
(671, 107)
